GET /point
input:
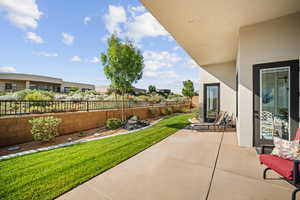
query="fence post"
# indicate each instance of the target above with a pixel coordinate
(87, 106)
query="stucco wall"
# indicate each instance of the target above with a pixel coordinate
(271, 41)
(80, 85)
(20, 84)
(223, 73)
(16, 130)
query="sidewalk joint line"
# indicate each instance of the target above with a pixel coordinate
(215, 165)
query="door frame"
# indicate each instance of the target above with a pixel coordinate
(205, 85)
(293, 101)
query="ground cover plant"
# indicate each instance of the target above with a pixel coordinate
(48, 174)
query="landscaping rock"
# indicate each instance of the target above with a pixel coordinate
(133, 123)
(14, 148)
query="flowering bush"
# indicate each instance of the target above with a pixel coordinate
(75, 97)
(44, 128)
(9, 96)
(59, 97)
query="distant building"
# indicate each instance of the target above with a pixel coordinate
(139, 90)
(16, 81)
(167, 91)
(102, 89)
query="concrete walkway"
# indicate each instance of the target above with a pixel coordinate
(187, 165)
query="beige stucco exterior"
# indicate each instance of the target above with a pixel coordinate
(216, 32)
(24, 81)
(209, 29)
(271, 41)
(223, 73)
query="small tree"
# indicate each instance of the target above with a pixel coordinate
(151, 88)
(188, 90)
(123, 65)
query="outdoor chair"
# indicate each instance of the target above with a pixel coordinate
(220, 121)
(288, 169)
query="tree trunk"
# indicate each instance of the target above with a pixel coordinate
(191, 103)
(123, 107)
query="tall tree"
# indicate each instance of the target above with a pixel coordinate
(123, 65)
(151, 88)
(188, 90)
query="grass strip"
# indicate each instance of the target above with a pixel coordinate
(48, 174)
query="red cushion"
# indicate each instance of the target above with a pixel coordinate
(281, 166)
(297, 136)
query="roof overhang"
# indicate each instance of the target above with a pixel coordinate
(208, 29)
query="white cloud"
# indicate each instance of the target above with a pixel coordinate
(94, 60)
(136, 9)
(137, 25)
(7, 69)
(86, 20)
(144, 25)
(46, 54)
(22, 13)
(162, 55)
(115, 16)
(161, 74)
(75, 59)
(68, 39)
(157, 60)
(33, 37)
(191, 63)
(153, 65)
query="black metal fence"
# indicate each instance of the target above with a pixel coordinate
(37, 107)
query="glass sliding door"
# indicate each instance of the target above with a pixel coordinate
(274, 103)
(211, 101)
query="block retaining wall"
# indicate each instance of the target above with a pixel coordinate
(16, 129)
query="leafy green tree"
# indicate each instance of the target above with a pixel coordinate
(188, 90)
(123, 65)
(151, 89)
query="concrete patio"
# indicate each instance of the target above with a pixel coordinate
(187, 165)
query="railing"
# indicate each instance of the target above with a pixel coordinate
(11, 107)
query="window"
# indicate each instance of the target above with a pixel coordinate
(33, 87)
(211, 101)
(66, 89)
(10, 86)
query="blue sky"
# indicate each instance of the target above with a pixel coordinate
(64, 38)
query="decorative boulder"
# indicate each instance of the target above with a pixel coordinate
(133, 123)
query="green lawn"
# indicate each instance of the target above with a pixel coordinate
(46, 175)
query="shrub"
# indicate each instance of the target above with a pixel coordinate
(113, 123)
(153, 111)
(44, 128)
(164, 112)
(155, 99)
(182, 110)
(37, 96)
(169, 111)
